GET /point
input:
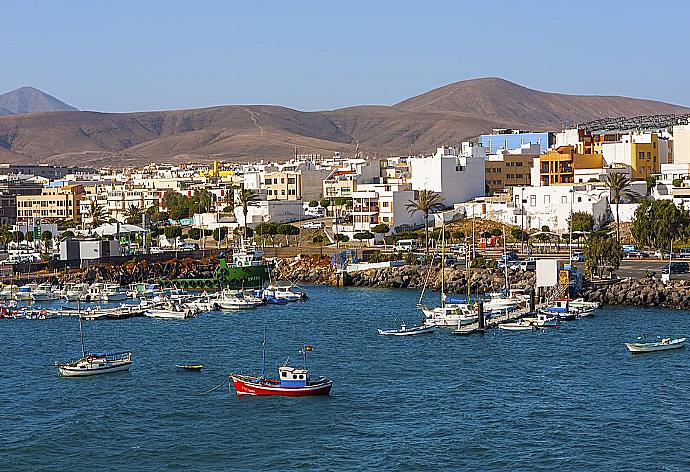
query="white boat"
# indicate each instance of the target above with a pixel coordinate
(171, 311)
(75, 292)
(44, 293)
(94, 363)
(7, 292)
(95, 293)
(286, 293)
(113, 293)
(24, 292)
(580, 303)
(520, 325)
(405, 331)
(231, 301)
(665, 344)
(451, 315)
(544, 320)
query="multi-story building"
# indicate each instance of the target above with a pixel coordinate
(54, 203)
(642, 153)
(559, 166)
(681, 145)
(374, 204)
(510, 168)
(10, 188)
(456, 178)
(512, 139)
(43, 170)
(343, 180)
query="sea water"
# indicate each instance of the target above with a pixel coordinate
(567, 399)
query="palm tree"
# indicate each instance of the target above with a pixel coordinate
(619, 186)
(246, 197)
(96, 213)
(133, 214)
(427, 201)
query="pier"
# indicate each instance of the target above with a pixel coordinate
(492, 322)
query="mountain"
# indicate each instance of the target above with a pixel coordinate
(447, 115)
(30, 100)
(500, 100)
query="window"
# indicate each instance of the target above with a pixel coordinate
(547, 199)
(291, 180)
(649, 155)
(532, 200)
(518, 164)
(284, 374)
(641, 155)
(564, 199)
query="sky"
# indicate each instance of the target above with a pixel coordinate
(315, 55)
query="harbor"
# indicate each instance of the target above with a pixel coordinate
(487, 390)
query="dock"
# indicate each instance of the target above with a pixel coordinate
(493, 322)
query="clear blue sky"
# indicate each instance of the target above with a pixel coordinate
(146, 55)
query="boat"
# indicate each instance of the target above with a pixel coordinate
(665, 344)
(94, 363)
(405, 331)
(230, 300)
(75, 292)
(544, 320)
(24, 292)
(113, 293)
(171, 311)
(7, 292)
(291, 382)
(44, 293)
(245, 269)
(519, 325)
(190, 367)
(281, 292)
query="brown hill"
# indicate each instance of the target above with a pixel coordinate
(443, 116)
(498, 99)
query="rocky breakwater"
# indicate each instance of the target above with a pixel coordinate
(647, 291)
(144, 271)
(317, 270)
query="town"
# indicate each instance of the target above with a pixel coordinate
(533, 184)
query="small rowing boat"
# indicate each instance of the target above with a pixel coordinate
(190, 367)
(665, 344)
(519, 325)
(405, 331)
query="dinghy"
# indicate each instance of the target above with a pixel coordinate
(665, 344)
(405, 331)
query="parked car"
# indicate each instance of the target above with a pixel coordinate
(405, 245)
(676, 268)
(636, 254)
(663, 255)
(312, 225)
(684, 253)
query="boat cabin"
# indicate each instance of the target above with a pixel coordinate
(293, 376)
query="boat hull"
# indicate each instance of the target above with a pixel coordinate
(639, 348)
(67, 371)
(407, 332)
(516, 327)
(248, 386)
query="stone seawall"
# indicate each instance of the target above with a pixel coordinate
(648, 291)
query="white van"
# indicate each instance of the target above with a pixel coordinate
(406, 245)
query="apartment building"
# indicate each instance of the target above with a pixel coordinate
(558, 166)
(374, 204)
(510, 168)
(344, 179)
(455, 177)
(642, 153)
(54, 203)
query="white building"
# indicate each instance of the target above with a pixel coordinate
(375, 204)
(280, 211)
(454, 177)
(681, 144)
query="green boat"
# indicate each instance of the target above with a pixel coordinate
(247, 270)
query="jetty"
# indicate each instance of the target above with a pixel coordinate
(483, 324)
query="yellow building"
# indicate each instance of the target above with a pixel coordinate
(54, 203)
(558, 166)
(642, 153)
(507, 170)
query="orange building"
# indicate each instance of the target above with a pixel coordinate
(558, 166)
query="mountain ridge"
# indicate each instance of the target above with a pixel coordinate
(445, 115)
(30, 100)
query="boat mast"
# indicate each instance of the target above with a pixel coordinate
(505, 260)
(81, 328)
(443, 265)
(263, 356)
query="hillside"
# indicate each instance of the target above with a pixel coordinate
(446, 115)
(30, 100)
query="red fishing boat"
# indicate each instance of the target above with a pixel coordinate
(291, 382)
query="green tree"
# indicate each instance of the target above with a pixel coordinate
(657, 223)
(96, 213)
(133, 215)
(246, 197)
(651, 183)
(325, 203)
(363, 236)
(66, 234)
(342, 238)
(194, 233)
(381, 228)
(581, 222)
(319, 239)
(619, 186)
(498, 232)
(269, 228)
(313, 204)
(47, 239)
(427, 202)
(179, 212)
(219, 234)
(677, 182)
(458, 235)
(287, 231)
(172, 232)
(602, 253)
(29, 236)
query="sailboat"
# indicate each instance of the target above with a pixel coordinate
(94, 363)
(452, 313)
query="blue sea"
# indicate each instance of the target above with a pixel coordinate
(570, 399)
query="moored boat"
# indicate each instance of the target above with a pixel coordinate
(405, 331)
(189, 367)
(291, 382)
(665, 344)
(519, 325)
